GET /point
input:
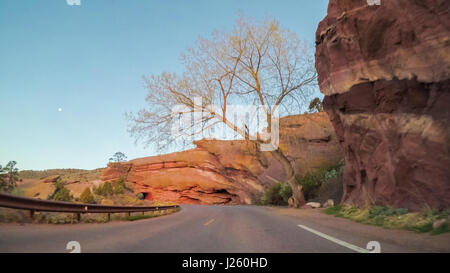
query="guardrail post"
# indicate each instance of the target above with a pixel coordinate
(32, 214)
(109, 217)
(129, 214)
(78, 217)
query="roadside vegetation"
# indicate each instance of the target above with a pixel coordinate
(61, 193)
(319, 186)
(87, 197)
(108, 193)
(277, 195)
(428, 221)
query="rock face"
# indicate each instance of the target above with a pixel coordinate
(385, 71)
(230, 172)
(309, 142)
(51, 179)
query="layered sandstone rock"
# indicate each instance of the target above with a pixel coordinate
(51, 179)
(230, 172)
(385, 71)
(309, 142)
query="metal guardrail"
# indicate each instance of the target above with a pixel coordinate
(34, 205)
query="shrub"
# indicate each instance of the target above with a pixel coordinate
(420, 222)
(424, 228)
(111, 188)
(442, 229)
(333, 210)
(104, 189)
(285, 191)
(61, 193)
(118, 189)
(119, 186)
(312, 181)
(278, 195)
(140, 196)
(386, 211)
(87, 197)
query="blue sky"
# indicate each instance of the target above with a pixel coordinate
(89, 61)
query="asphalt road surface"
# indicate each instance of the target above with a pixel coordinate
(205, 229)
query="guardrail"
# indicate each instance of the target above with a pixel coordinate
(34, 205)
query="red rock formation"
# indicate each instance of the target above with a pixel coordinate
(309, 142)
(230, 172)
(385, 71)
(51, 179)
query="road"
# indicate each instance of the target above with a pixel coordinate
(216, 229)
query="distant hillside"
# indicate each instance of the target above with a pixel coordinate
(66, 174)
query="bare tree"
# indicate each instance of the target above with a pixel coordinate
(256, 63)
(118, 157)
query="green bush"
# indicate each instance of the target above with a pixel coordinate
(140, 196)
(386, 211)
(442, 229)
(111, 188)
(427, 227)
(107, 189)
(400, 218)
(312, 181)
(119, 186)
(61, 193)
(333, 210)
(118, 189)
(285, 191)
(278, 195)
(331, 174)
(104, 189)
(87, 197)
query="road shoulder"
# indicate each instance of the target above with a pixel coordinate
(406, 240)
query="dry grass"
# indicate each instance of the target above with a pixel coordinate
(66, 174)
(23, 216)
(420, 222)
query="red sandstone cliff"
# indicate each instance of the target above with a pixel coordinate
(230, 172)
(385, 71)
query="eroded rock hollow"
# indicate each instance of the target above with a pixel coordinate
(385, 73)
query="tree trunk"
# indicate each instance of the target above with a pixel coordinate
(298, 199)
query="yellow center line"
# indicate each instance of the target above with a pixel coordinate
(209, 222)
